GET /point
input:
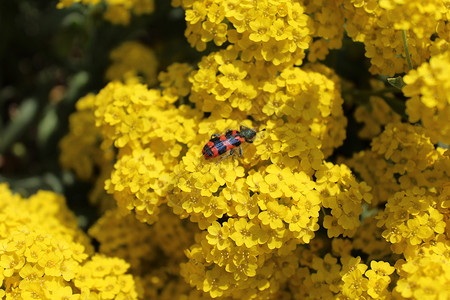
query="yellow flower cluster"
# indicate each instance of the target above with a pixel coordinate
(150, 134)
(277, 32)
(130, 60)
(411, 176)
(402, 157)
(341, 193)
(419, 218)
(328, 27)
(429, 90)
(118, 11)
(339, 276)
(105, 278)
(255, 214)
(379, 25)
(44, 255)
(152, 252)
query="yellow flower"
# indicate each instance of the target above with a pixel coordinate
(31, 272)
(328, 173)
(11, 263)
(214, 31)
(380, 269)
(218, 235)
(274, 237)
(331, 223)
(216, 281)
(244, 232)
(233, 74)
(102, 275)
(117, 14)
(355, 284)
(260, 29)
(227, 172)
(197, 13)
(51, 263)
(216, 13)
(69, 269)
(273, 215)
(272, 186)
(246, 206)
(296, 218)
(207, 184)
(215, 207)
(243, 263)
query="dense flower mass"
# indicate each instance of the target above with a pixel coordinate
(414, 186)
(382, 25)
(284, 216)
(278, 32)
(150, 134)
(45, 256)
(428, 89)
(152, 252)
(327, 27)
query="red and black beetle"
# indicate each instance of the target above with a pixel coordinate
(220, 144)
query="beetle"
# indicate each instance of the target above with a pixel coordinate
(220, 144)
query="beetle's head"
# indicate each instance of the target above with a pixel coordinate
(247, 133)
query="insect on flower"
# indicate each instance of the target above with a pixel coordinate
(219, 144)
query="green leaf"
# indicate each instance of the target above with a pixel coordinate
(19, 124)
(47, 126)
(396, 82)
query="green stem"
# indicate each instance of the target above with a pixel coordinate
(405, 45)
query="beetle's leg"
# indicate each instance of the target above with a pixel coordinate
(215, 135)
(226, 156)
(240, 151)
